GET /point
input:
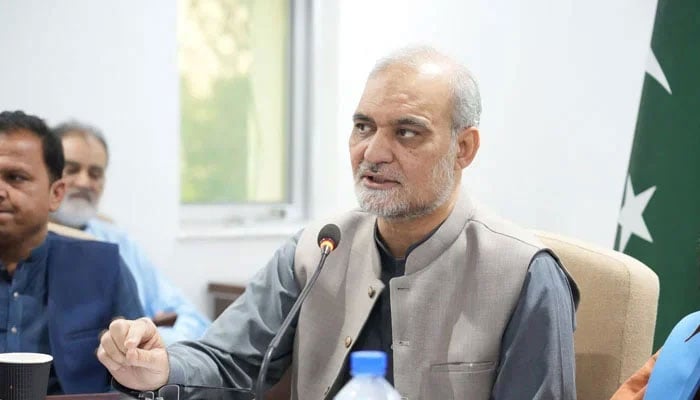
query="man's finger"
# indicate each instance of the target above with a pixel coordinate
(118, 330)
(111, 365)
(108, 345)
(140, 331)
(147, 359)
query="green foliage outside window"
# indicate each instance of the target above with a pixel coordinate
(234, 69)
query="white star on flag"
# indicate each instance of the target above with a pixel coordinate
(631, 219)
(654, 69)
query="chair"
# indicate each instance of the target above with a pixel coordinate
(616, 316)
(106, 218)
(164, 319)
(70, 232)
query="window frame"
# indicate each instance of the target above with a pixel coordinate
(298, 114)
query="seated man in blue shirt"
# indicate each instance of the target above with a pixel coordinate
(673, 373)
(86, 153)
(56, 293)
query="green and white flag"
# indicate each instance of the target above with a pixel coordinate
(659, 221)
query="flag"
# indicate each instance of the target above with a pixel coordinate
(659, 222)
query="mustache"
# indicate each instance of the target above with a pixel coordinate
(84, 194)
(381, 170)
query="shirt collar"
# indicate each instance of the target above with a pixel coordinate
(37, 255)
(385, 251)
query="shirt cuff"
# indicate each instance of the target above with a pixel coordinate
(177, 369)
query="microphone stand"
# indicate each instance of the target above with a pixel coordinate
(259, 383)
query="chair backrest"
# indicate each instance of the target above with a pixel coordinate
(70, 232)
(616, 316)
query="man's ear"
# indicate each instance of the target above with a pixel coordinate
(57, 191)
(467, 146)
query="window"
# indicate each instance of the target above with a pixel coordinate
(241, 103)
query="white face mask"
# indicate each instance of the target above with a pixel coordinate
(78, 207)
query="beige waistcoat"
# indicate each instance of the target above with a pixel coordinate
(448, 312)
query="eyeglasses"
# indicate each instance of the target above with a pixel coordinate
(189, 392)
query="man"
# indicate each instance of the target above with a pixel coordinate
(87, 156)
(674, 371)
(56, 293)
(465, 304)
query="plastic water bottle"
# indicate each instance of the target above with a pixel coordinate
(367, 369)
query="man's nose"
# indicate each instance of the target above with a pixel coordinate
(3, 190)
(82, 180)
(380, 148)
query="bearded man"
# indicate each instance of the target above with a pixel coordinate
(87, 155)
(465, 304)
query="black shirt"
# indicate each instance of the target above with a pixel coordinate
(376, 333)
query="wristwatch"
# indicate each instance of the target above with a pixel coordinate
(186, 392)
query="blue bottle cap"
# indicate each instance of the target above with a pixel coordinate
(368, 363)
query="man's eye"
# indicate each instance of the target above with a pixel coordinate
(361, 127)
(17, 178)
(406, 133)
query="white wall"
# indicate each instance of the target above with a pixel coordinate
(560, 82)
(112, 64)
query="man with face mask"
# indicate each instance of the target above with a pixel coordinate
(465, 304)
(87, 155)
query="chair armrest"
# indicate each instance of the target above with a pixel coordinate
(165, 319)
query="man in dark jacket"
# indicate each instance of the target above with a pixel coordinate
(56, 293)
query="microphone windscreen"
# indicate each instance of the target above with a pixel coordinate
(329, 232)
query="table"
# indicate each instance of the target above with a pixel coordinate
(99, 396)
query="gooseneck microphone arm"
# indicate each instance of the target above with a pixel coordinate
(328, 239)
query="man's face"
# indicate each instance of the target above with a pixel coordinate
(26, 196)
(84, 174)
(401, 149)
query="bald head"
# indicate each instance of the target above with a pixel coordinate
(466, 100)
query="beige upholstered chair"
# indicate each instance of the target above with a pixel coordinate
(68, 231)
(615, 318)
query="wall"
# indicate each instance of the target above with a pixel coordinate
(114, 65)
(560, 83)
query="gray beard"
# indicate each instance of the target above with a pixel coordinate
(389, 204)
(74, 213)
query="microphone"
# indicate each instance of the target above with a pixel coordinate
(328, 239)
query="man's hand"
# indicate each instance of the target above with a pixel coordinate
(635, 387)
(134, 353)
